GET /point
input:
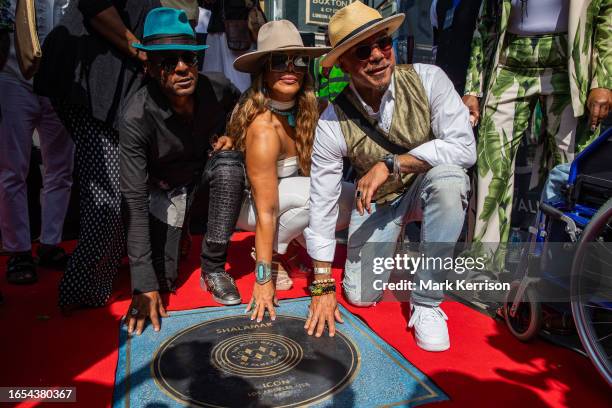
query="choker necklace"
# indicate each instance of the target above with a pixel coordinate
(283, 106)
(286, 109)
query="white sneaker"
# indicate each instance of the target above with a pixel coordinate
(430, 329)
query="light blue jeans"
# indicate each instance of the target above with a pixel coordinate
(438, 198)
(557, 178)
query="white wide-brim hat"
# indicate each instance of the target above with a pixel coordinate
(276, 36)
(353, 24)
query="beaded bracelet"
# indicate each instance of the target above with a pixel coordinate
(320, 290)
(324, 281)
(323, 286)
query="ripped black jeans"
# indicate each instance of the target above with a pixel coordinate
(216, 199)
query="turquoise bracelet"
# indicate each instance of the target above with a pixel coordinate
(263, 272)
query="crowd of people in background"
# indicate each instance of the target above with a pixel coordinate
(258, 135)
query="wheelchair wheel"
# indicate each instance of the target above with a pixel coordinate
(527, 321)
(591, 290)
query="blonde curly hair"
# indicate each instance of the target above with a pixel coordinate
(253, 103)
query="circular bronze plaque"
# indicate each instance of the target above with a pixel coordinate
(232, 361)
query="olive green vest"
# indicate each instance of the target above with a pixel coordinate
(410, 127)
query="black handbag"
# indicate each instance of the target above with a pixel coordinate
(220, 157)
(227, 184)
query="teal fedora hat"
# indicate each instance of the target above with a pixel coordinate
(168, 29)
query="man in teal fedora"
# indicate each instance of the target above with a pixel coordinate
(168, 29)
(174, 158)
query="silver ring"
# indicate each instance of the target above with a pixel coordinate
(134, 311)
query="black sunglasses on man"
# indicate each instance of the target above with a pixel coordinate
(168, 64)
(363, 51)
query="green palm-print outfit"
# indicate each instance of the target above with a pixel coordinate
(512, 74)
(530, 70)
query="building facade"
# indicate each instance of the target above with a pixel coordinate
(413, 41)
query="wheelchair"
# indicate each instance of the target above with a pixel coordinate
(574, 279)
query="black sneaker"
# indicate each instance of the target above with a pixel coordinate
(21, 270)
(222, 287)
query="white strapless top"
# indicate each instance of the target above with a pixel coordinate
(287, 167)
(540, 17)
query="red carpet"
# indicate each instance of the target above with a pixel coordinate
(485, 367)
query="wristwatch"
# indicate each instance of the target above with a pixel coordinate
(389, 160)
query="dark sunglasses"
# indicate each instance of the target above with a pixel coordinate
(280, 63)
(169, 64)
(363, 52)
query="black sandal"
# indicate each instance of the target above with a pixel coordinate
(52, 257)
(21, 270)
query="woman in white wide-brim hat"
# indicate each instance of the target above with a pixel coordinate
(274, 125)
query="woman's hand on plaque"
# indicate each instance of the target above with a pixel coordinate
(264, 298)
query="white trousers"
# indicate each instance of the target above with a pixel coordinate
(294, 210)
(21, 112)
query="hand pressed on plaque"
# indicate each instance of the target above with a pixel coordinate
(323, 310)
(143, 306)
(264, 298)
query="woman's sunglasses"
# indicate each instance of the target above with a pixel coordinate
(169, 64)
(280, 63)
(363, 52)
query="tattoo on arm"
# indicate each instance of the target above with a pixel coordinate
(410, 164)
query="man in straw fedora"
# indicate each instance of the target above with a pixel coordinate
(166, 133)
(407, 134)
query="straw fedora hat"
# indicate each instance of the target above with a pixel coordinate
(353, 24)
(276, 36)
